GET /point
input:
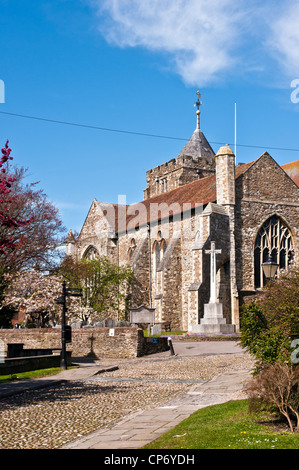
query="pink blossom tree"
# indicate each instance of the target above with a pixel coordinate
(6, 219)
(30, 226)
(35, 293)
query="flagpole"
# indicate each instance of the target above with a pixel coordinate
(235, 132)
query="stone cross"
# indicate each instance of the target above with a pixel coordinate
(213, 289)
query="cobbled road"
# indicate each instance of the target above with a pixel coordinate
(49, 418)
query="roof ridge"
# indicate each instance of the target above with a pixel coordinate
(198, 192)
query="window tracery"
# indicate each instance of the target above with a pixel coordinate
(91, 253)
(273, 238)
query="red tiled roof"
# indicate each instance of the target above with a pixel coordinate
(186, 197)
(197, 193)
(292, 169)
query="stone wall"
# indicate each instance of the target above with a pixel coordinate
(86, 342)
(158, 286)
(175, 173)
(133, 250)
(171, 285)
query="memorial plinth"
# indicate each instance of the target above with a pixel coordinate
(213, 321)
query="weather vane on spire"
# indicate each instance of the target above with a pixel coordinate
(198, 104)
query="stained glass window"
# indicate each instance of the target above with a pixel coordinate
(274, 237)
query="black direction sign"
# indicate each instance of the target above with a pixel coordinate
(73, 292)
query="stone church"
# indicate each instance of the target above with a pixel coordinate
(200, 235)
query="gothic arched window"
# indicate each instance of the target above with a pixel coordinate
(157, 254)
(91, 253)
(131, 249)
(273, 238)
(159, 249)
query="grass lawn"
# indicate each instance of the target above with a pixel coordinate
(30, 375)
(165, 333)
(227, 426)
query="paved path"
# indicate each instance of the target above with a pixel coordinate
(141, 428)
(203, 348)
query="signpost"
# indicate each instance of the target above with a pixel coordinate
(66, 335)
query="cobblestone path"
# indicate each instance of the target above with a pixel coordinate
(50, 417)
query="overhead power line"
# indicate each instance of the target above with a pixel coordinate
(92, 127)
(144, 134)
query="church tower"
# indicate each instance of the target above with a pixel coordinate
(196, 160)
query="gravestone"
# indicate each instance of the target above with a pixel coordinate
(76, 324)
(109, 323)
(142, 314)
(156, 330)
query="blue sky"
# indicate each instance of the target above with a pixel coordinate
(135, 66)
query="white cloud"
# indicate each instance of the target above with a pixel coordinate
(284, 37)
(205, 39)
(199, 36)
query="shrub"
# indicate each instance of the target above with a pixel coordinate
(266, 342)
(280, 303)
(267, 329)
(277, 385)
(269, 324)
(253, 323)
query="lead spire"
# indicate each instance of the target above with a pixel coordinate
(198, 104)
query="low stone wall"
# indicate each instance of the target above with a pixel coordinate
(16, 365)
(86, 342)
(151, 345)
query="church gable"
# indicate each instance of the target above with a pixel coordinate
(264, 192)
(97, 230)
(96, 220)
(265, 180)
